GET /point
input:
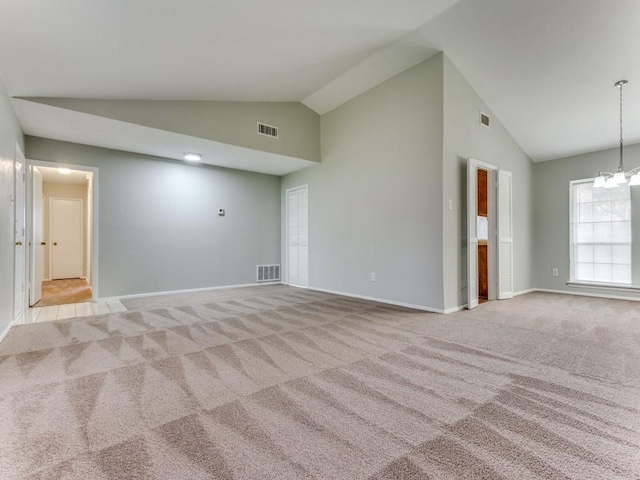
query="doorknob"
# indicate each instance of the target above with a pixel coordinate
(55, 243)
(18, 243)
(43, 243)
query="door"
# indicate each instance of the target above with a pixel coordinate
(37, 242)
(66, 238)
(505, 235)
(298, 236)
(19, 236)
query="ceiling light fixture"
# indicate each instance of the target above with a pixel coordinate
(613, 180)
(64, 171)
(193, 156)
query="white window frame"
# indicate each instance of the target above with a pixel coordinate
(572, 247)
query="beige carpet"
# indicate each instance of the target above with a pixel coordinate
(280, 383)
(61, 292)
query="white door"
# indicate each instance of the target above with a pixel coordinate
(298, 236)
(37, 242)
(505, 235)
(19, 236)
(66, 238)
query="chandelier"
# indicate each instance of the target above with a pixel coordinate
(620, 177)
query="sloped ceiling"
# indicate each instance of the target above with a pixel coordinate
(545, 67)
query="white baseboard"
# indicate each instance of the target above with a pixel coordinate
(6, 330)
(524, 292)
(174, 292)
(585, 294)
(514, 294)
(379, 300)
(455, 309)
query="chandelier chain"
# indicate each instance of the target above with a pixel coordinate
(621, 85)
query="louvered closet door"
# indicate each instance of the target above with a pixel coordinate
(298, 236)
(505, 235)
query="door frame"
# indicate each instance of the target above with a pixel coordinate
(33, 247)
(492, 241)
(94, 217)
(24, 266)
(286, 231)
(83, 243)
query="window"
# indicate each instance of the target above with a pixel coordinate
(600, 234)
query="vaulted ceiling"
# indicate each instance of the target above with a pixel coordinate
(545, 67)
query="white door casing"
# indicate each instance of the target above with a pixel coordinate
(505, 235)
(37, 237)
(297, 236)
(66, 237)
(19, 237)
(499, 209)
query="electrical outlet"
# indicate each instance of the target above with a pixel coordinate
(373, 277)
(554, 272)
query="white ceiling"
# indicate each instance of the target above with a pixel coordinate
(545, 67)
(52, 175)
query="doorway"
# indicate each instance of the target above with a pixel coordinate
(62, 253)
(489, 233)
(483, 236)
(297, 236)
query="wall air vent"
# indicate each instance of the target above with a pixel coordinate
(484, 119)
(268, 130)
(267, 273)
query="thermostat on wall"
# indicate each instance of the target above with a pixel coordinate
(221, 212)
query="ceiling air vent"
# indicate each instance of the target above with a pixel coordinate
(484, 119)
(268, 130)
(267, 273)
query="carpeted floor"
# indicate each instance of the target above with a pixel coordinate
(280, 383)
(62, 292)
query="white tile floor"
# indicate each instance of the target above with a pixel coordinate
(72, 310)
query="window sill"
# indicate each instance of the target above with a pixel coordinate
(605, 286)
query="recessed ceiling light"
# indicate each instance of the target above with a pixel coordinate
(193, 156)
(64, 171)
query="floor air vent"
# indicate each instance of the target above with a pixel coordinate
(268, 273)
(268, 130)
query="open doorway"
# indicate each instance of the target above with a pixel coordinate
(483, 236)
(489, 233)
(61, 224)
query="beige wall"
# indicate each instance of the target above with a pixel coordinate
(60, 190)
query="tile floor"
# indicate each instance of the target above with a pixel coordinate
(72, 310)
